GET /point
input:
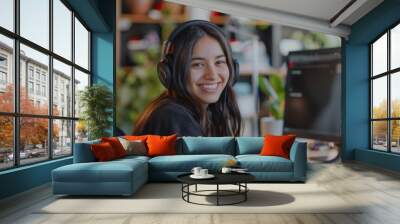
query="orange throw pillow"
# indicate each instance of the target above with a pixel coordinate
(103, 152)
(277, 145)
(135, 137)
(161, 145)
(116, 145)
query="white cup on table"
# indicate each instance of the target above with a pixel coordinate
(203, 172)
(196, 170)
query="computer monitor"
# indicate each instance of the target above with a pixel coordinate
(313, 94)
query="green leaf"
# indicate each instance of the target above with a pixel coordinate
(274, 104)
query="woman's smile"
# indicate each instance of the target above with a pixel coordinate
(210, 87)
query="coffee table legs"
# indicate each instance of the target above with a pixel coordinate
(217, 194)
(245, 195)
(242, 190)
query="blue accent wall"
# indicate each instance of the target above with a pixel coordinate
(99, 16)
(356, 117)
(103, 53)
(89, 11)
(379, 159)
(356, 86)
(24, 178)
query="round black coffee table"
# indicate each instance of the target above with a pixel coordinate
(238, 179)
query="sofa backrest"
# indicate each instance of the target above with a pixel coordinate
(249, 145)
(191, 146)
(206, 145)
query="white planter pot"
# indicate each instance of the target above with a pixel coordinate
(268, 125)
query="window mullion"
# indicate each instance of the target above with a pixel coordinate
(16, 70)
(371, 89)
(389, 106)
(50, 81)
(73, 83)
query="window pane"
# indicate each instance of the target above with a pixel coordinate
(62, 138)
(379, 55)
(62, 29)
(35, 21)
(81, 131)
(34, 97)
(7, 14)
(6, 142)
(6, 74)
(379, 98)
(33, 139)
(81, 81)
(62, 89)
(395, 47)
(379, 135)
(81, 45)
(395, 132)
(395, 94)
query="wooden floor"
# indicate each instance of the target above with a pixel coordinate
(379, 189)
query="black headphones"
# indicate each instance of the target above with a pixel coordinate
(164, 67)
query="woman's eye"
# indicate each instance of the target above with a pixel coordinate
(197, 65)
(220, 62)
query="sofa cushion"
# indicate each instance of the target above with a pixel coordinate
(111, 171)
(161, 145)
(257, 163)
(134, 147)
(132, 158)
(135, 137)
(206, 145)
(185, 163)
(103, 152)
(249, 145)
(277, 145)
(116, 145)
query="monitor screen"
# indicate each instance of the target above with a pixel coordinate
(312, 106)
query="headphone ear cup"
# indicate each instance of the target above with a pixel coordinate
(164, 73)
(236, 71)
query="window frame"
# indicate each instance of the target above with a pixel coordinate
(16, 115)
(3, 74)
(3, 71)
(388, 74)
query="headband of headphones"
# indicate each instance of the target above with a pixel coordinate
(183, 26)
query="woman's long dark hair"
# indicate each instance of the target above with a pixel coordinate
(223, 117)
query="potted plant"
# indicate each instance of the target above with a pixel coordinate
(96, 103)
(273, 88)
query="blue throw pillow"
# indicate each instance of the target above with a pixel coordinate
(207, 145)
(249, 145)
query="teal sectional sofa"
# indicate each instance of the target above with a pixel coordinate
(125, 176)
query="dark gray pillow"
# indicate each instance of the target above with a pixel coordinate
(133, 147)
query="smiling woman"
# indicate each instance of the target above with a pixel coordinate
(198, 72)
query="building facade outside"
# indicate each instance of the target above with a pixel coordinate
(34, 100)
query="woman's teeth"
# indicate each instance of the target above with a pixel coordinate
(209, 87)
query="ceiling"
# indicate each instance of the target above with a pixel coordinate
(328, 16)
(321, 9)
